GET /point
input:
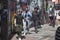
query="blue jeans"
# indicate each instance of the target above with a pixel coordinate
(24, 26)
(28, 24)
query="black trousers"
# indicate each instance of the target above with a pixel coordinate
(35, 24)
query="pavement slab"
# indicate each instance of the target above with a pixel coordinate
(45, 33)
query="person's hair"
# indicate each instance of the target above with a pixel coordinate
(36, 8)
(50, 5)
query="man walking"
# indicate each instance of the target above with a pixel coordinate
(35, 18)
(18, 24)
(27, 17)
(52, 16)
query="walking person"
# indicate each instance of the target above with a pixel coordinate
(27, 17)
(35, 18)
(18, 24)
(51, 16)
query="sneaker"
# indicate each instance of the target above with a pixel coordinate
(36, 31)
(53, 25)
(19, 39)
(28, 33)
(24, 34)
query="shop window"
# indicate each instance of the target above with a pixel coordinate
(57, 6)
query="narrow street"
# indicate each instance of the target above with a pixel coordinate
(45, 33)
(15, 13)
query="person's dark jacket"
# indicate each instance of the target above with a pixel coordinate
(19, 19)
(35, 16)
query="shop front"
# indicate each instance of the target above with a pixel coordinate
(5, 13)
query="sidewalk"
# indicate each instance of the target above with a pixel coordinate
(14, 37)
(45, 33)
(30, 38)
